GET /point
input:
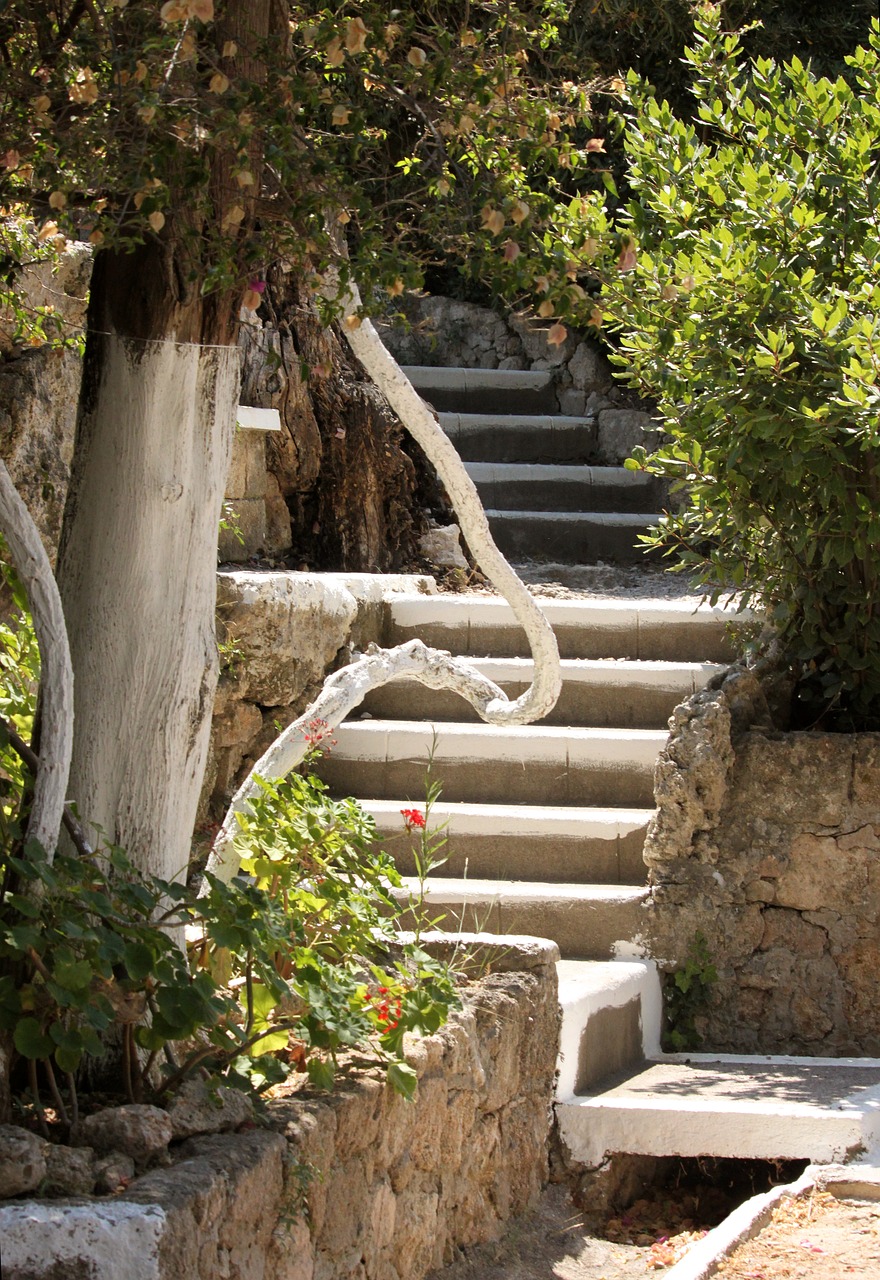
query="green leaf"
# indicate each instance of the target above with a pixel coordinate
(30, 1040)
(403, 1079)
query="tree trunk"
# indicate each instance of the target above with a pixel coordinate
(356, 488)
(137, 563)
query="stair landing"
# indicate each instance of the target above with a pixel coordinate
(761, 1108)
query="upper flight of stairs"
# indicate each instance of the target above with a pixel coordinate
(531, 467)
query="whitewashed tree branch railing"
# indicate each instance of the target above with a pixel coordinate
(346, 688)
(31, 563)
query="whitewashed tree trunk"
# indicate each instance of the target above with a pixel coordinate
(137, 572)
(56, 680)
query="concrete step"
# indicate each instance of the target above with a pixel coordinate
(611, 1017)
(666, 630)
(515, 486)
(769, 1108)
(484, 390)
(582, 537)
(614, 693)
(490, 764)
(521, 436)
(587, 921)
(517, 842)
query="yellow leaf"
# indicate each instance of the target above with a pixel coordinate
(669, 292)
(443, 187)
(232, 217)
(218, 83)
(48, 230)
(335, 52)
(617, 85)
(596, 144)
(201, 9)
(542, 284)
(230, 49)
(173, 11)
(57, 200)
(140, 72)
(557, 334)
(341, 115)
(157, 220)
(139, 198)
(466, 124)
(42, 104)
(545, 309)
(467, 39)
(511, 251)
(11, 159)
(493, 219)
(394, 290)
(251, 300)
(520, 212)
(356, 36)
(352, 322)
(83, 89)
(244, 178)
(343, 217)
(147, 114)
(416, 57)
(391, 34)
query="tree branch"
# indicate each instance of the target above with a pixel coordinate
(56, 684)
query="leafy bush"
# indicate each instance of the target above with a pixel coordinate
(295, 960)
(745, 285)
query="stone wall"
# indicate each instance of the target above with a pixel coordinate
(356, 1185)
(279, 635)
(768, 844)
(443, 331)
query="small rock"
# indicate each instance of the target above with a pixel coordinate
(113, 1173)
(22, 1161)
(70, 1171)
(199, 1109)
(142, 1132)
(441, 547)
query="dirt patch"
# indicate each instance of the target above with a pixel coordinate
(813, 1237)
(557, 1242)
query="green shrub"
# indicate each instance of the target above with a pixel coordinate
(744, 284)
(296, 960)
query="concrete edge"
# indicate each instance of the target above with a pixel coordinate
(702, 1260)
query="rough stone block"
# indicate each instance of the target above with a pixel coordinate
(247, 467)
(620, 430)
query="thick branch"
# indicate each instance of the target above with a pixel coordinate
(342, 692)
(540, 697)
(56, 684)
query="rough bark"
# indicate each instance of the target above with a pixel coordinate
(354, 492)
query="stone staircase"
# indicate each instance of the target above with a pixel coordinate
(531, 467)
(545, 823)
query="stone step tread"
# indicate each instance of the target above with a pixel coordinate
(697, 1081)
(421, 375)
(535, 821)
(441, 888)
(402, 739)
(580, 978)
(735, 1107)
(452, 609)
(611, 519)
(541, 473)
(467, 422)
(614, 672)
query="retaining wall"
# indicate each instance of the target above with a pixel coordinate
(357, 1185)
(768, 844)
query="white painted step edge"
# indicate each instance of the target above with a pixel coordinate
(484, 892)
(588, 986)
(466, 819)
